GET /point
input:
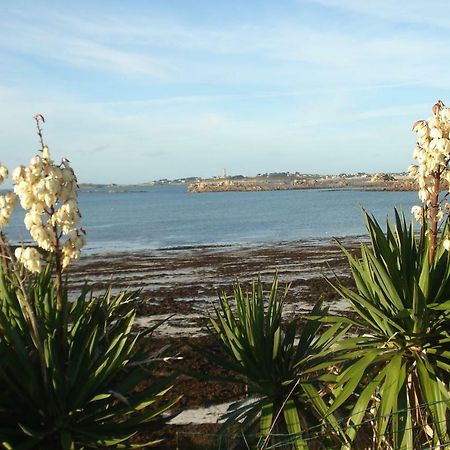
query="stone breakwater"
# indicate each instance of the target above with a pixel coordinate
(227, 185)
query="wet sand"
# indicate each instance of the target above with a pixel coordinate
(182, 285)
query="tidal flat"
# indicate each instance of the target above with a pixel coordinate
(180, 286)
(185, 282)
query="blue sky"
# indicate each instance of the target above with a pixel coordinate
(140, 90)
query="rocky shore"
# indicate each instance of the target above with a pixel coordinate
(371, 184)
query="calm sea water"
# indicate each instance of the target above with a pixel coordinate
(168, 216)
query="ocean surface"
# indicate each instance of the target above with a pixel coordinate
(168, 216)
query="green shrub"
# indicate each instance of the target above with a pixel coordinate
(396, 372)
(77, 386)
(279, 368)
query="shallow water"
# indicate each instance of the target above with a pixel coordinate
(168, 216)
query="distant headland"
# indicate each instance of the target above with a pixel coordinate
(276, 181)
(290, 181)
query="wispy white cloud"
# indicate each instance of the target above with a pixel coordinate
(90, 54)
(433, 13)
(66, 46)
(281, 51)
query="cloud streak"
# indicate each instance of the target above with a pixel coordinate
(66, 47)
(165, 49)
(432, 14)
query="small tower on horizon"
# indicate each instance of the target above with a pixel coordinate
(225, 175)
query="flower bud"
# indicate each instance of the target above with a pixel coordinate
(412, 170)
(417, 212)
(52, 185)
(446, 245)
(435, 133)
(18, 173)
(3, 173)
(30, 258)
(46, 154)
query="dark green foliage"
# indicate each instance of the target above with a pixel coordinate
(72, 386)
(278, 367)
(396, 370)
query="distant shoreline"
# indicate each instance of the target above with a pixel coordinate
(273, 182)
(337, 183)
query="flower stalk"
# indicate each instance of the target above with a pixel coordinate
(434, 217)
(432, 154)
(48, 193)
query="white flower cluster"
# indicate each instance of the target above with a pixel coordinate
(432, 153)
(7, 201)
(48, 192)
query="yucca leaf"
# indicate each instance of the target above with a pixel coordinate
(350, 378)
(401, 419)
(433, 396)
(389, 392)
(360, 408)
(293, 425)
(265, 422)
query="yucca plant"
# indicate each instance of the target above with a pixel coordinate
(396, 372)
(278, 367)
(72, 373)
(73, 388)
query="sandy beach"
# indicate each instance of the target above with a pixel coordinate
(182, 285)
